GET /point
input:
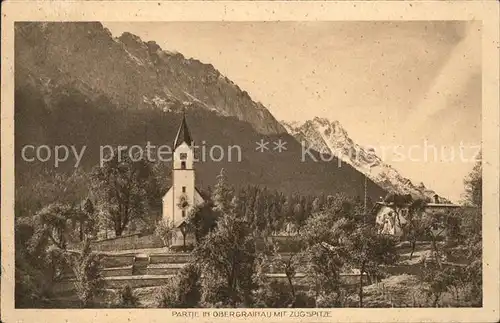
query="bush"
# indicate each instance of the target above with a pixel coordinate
(127, 299)
(328, 300)
(273, 294)
(215, 294)
(87, 269)
(164, 232)
(183, 291)
(302, 300)
(167, 295)
(189, 288)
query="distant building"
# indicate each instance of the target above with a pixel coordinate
(180, 199)
(392, 219)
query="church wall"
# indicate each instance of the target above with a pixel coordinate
(167, 206)
(182, 179)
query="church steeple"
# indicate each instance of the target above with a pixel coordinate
(182, 197)
(183, 134)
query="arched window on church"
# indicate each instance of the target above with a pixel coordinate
(183, 165)
(183, 213)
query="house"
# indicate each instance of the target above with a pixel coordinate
(392, 218)
(180, 199)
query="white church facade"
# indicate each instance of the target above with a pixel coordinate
(179, 200)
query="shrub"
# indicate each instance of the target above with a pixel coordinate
(127, 298)
(167, 295)
(87, 269)
(273, 294)
(214, 293)
(189, 287)
(302, 300)
(164, 232)
(183, 291)
(327, 300)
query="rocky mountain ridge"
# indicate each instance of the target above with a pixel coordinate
(329, 137)
(132, 73)
(77, 85)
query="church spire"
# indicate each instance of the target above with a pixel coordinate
(183, 134)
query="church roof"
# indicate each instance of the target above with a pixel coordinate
(183, 134)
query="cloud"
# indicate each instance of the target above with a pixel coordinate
(452, 81)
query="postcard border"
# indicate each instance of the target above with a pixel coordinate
(487, 12)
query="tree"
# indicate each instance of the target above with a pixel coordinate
(41, 256)
(438, 282)
(227, 254)
(416, 226)
(323, 256)
(87, 219)
(288, 264)
(37, 188)
(227, 258)
(123, 190)
(299, 216)
(336, 239)
(471, 230)
(86, 266)
(33, 270)
(471, 218)
(434, 226)
(464, 226)
(201, 220)
(474, 278)
(474, 184)
(54, 222)
(368, 250)
(222, 194)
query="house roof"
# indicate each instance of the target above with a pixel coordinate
(379, 205)
(183, 134)
(439, 205)
(204, 196)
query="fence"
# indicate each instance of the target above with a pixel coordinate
(128, 242)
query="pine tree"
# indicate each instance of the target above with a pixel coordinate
(87, 269)
(222, 194)
(474, 184)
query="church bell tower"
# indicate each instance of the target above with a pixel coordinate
(180, 199)
(183, 176)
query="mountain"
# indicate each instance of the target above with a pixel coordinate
(77, 85)
(329, 137)
(131, 73)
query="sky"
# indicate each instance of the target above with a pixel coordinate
(405, 88)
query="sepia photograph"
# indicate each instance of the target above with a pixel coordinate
(248, 165)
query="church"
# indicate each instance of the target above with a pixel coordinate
(179, 200)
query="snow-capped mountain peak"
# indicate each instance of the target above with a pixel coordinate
(329, 137)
